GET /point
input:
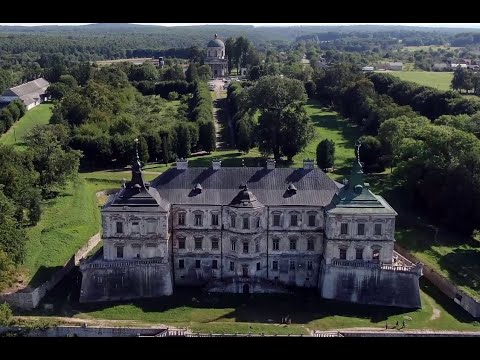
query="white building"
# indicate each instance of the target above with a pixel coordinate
(31, 93)
(216, 58)
(250, 230)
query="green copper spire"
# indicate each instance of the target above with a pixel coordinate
(356, 176)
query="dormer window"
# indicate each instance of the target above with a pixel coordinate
(291, 189)
(197, 189)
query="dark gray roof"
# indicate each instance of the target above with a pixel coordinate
(314, 187)
(137, 199)
(246, 199)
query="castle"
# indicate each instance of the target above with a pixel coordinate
(250, 230)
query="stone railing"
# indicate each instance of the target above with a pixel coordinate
(120, 263)
(373, 265)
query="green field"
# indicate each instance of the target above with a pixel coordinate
(39, 115)
(432, 47)
(438, 80)
(230, 313)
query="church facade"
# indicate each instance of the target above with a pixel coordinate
(250, 230)
(216, 58)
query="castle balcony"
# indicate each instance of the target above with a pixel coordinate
(397, 267)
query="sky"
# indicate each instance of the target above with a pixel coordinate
(444, 25)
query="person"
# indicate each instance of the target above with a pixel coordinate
(386, 324)
(403, 325)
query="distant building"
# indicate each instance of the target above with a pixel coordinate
(368, 68)
(31, 93)
(393, 66)
(440, 67)
(216, 58)
(455, 66)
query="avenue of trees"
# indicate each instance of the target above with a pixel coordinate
(10, 114)
(466, 80)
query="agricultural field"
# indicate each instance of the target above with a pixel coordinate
(430, 47)
(438, 80)
(39, 115)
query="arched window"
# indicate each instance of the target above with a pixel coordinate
(376, 255)
(216, 53)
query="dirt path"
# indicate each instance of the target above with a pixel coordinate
(436, 312)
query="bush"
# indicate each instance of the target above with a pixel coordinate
(163, 88)
(173, 95)
(5, 315)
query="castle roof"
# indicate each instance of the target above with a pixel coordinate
(245, 199)
(265, 186)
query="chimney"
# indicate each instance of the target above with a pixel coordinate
(308, 164)
(270, 163)
(216, 164)
(182, 164)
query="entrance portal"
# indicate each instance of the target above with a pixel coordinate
(245, 270)
(246, 289)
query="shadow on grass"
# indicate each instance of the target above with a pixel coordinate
(445, 302)
(463, 265)
(43, 274)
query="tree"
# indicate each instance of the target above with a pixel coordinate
(229, 52)
(183, 140)
(204, 72)
(57, 91)
(12, 236)
(254, 73)
(54, 162)
(69, 81)
(310, 88)
(207, 136)
(245, 133)
(191, 74)
(296, 130)
(7, 273)
(143, 150)
(325, 154)
(370, 154)
(6, 315)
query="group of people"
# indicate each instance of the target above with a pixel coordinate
(396, 325)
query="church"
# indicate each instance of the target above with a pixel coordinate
(250, 230)
(216, 58)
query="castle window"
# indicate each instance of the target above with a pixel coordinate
(359, 254)
(344, 228)
(293, 244)
(181, 243)
(292, 265)
(135, 227)
(198, 219)
(232, 221)
(309, 265)
(198, 243)
(181, 219)
(246, 223)
(376, 255)
(234, 245)
(293, 220)
(276, 244)
(119, 252)
(215, 219)
(258, 266)
(214, 264)
(257, 247)
(343, 254)
(197, 264)
(245, 247)
(181, 264)
(258, 222)
(119, 227)
(232, 266)
(276, 219)
(274, 265)
(214, 244)
(311, 220)
(378, 229)
(361, 229)
(310, 245)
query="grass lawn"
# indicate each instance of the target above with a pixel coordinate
(438, 80)
(329, 125)
(67, 222)
(39, 115)
(230, 313)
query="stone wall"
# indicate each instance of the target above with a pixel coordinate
(122, 280)
(370, 285)
(471, 305)
(69, 331)
(30, 299)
